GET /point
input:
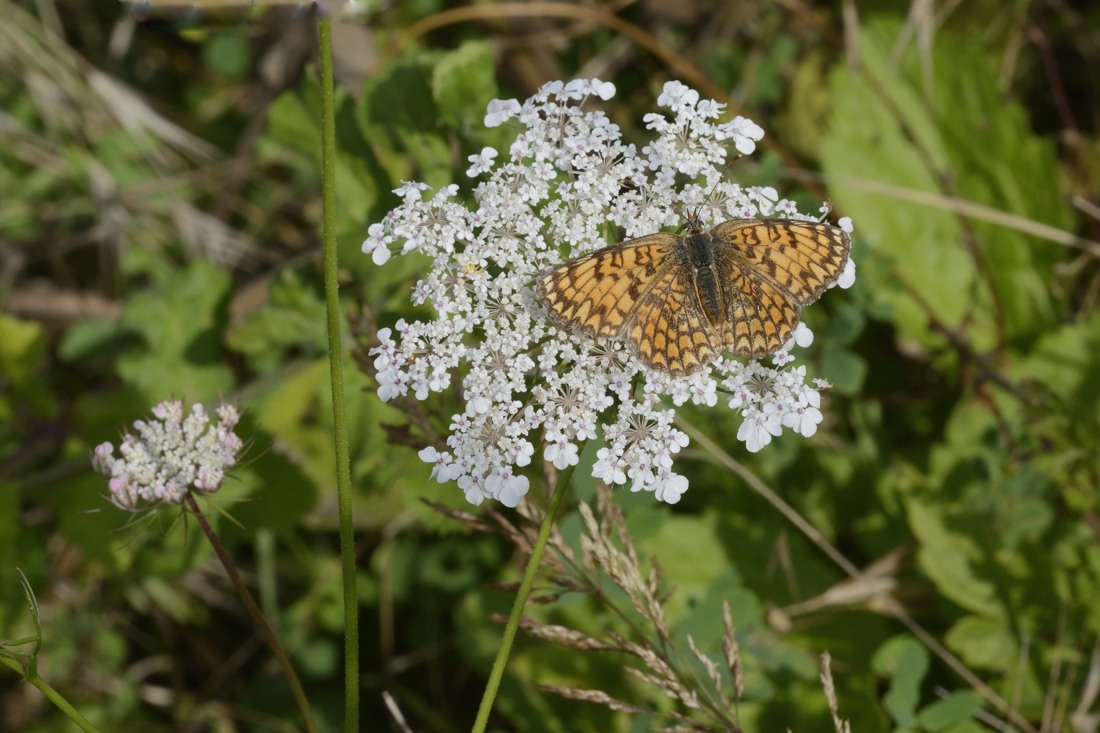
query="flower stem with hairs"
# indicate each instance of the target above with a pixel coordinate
(336, 372)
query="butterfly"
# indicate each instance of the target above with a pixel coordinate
(680, 301)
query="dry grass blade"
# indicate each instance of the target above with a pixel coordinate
(666, 682)
(874, 589)
(564, 636)
(1081, 719)
(712, 672)
(840, 726)
(209, 238)
(621, 565)
(518, 537)
(732, 651)
(470, 521)
(596, 696)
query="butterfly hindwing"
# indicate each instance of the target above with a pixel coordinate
(670, 332)
(761, 317)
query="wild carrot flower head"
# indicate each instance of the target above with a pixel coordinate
(169, 456)
(569, 185)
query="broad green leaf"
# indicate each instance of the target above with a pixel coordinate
(22, 346)
(270, 490)
(294, 317)
(227, 55)
(904, 661)
(1066, 361)
(892, 125)
(949, 713)
(876, 113)
(983, 642)
(292, 120)
(949, 558)
(289, 413)
(106, 535)
(180, 321)
(398, 112)
(845, 369)
(91, 338)
(463, 82)
(690, 551)
(294, 125)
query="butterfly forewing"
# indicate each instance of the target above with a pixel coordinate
(801, 257)
(598, 293)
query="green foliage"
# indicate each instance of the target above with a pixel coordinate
(961, 433)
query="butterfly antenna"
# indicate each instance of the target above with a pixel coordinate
(826, 209)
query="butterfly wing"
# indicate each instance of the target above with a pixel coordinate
(600, 292)
(772, 267)
(761, 317)
(670, 332)
(801, 258)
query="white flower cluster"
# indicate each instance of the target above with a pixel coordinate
(570, 185)
(169, 456)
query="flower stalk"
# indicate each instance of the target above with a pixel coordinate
(336, 373)
(512, 626)
(257, 615)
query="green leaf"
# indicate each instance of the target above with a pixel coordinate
(844, 369)
(957, 708)
(868, 142)
(294, 318)
(952, 133)
(180, 321)
(22, 347)
(91, 338)
(1066, 361)
(690, 551)
(463, 83)
(292, 120)
(951, 558)
(905, 661)
(227, 55)
(271, 491)
(846, 323)
(983, 642)
(398, 111)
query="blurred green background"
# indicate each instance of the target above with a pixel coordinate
(159, 225)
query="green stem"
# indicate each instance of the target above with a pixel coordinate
(524, 591)
(336, 372)
(52, 695)
(257, 615)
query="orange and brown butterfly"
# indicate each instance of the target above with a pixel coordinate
(680, 301)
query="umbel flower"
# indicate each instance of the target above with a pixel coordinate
(569, 185)
(170, 456)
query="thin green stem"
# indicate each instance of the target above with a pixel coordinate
(336, 372)
(510, 629)
(257, 615)
(52, 695)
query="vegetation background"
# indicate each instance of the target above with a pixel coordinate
(159, 224)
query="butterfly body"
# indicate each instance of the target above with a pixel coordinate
(681, 300)
(700, 250)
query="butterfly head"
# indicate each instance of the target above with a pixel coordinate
(693, 221)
